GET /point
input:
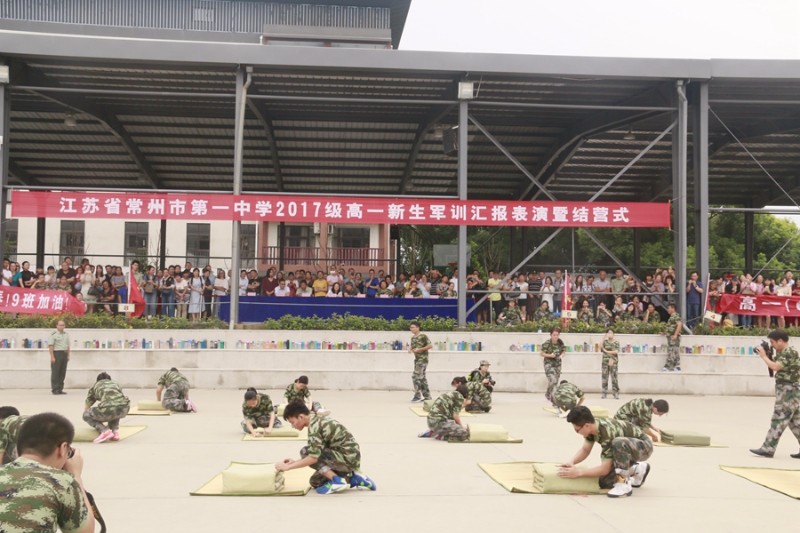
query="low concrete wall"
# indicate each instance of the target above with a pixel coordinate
(516, 364)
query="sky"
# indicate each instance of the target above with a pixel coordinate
(699, 29)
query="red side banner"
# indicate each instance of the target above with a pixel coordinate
(39, 302)
(766, 305)
(337, 210)
(135, 296)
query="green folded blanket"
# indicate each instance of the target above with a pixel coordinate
(240, 478)
(547, 481)
(685, 438)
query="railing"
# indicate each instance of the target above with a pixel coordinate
(192, 15)
(313, 255)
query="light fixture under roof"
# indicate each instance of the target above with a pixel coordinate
(70, 120)
(629, 136)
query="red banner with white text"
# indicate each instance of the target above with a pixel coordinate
(765, 305)
(39, 302)
(337, 210)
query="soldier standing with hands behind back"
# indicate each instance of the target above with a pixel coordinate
(786, 367)
(59, 357)
(552, 351)
(420, 344)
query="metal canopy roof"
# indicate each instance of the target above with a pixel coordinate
(334, 121)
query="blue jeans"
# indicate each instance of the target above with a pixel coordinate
(168, 303)
(692, 314)
(150, 303)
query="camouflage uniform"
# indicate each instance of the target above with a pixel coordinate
(294, 395)
(787, 399)
(176, 388)
(112, 405)
(610, 366)
(260, 414)
(552, 367)
(637, 412)
(566, 396)
(334, 447)
(418, 378)
(476, 376)
(673, 346)
(512, 316)
(585, 315)
(9, 430)
(441, 420)
(480, 396)
(541, 314)
(36, 497)
(622, 443)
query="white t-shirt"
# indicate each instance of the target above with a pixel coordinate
(285, 291)
(7, 277)
(522, 286)
(221, 283)
(243, 286)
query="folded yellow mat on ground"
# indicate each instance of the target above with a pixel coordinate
(597, 411)
(419, 410)
(518, 477)
(295, 483)
(685, 438)
(779, 480)
(85, 434)
(547, 481)
(242, 478)
(151, 405)
(479, 433)
(287, 433)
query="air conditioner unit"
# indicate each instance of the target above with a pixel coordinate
(316, 228)
(330, 230)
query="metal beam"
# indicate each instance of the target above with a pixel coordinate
(463, 160)
(243, 80)
(269, 129)
(700, 155)
(22, 175)
(416, 145)
(679, 201)
(5, 120)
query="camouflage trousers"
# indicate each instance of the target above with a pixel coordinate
(673, 353)
(480, 404)
(331, 460)
(448, 430)
(610, 369)
(260, 422)
(95, 416)
(565, 401)
(420, 380)
(786, 413)
(174, 397)
(552, 369)
(625, 452)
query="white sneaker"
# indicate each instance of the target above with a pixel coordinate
(621, 489)
(640, 471)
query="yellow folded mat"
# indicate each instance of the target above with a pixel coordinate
(597, 411)
(136, 411)
(685, 438)
(85, 434)
(295, 482)
(777, 479)
(419, 410)
(241, 478)
(547, 481)
(151, 405)
(287, 433)
(479, 433)
(518, 477)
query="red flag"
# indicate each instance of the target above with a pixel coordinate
(135, 296)
(567, 300)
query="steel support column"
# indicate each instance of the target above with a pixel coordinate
(637, 250)
(463, 151)
(236, 259)
(5, 114)
(162, 245)
(749, 227)
(700, 155)
(679, 176)
(41, 224)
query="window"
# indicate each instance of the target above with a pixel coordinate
(136, 243)
(198, 243)
(298, 236)
(247, 247)
(10, 232)
(350, 237)
(72, 238)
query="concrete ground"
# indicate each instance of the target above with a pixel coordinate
(143, 483)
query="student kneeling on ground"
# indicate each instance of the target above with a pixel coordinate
(444, 422)
(112, 406)
(332, 452)
(10, 422)
(175, 387)
(624, 449)
(567, 396)
(258, 412)
(640, 411)
(479, 395)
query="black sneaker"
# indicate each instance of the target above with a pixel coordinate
(416, 399)
(795, 455)
(762, 452)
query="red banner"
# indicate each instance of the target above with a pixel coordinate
(39, 302)
(204, 207)
(765, 305)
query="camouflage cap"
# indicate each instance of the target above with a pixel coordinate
(484, 362)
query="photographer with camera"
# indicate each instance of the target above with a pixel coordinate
(43, 489)
(786, 367)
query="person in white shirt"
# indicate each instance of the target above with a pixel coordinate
(243, 281)
(282, 289)
(221, 288)
(304, 290)
(7, 275)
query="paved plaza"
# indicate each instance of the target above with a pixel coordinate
(143, 483)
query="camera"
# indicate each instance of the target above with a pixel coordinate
(766, 346)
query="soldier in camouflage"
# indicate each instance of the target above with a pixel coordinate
(420, 345)
(786, 367)
(42, 490)
(568, 396)
(543, 312)
(258, 412)
(624, 449)
(640, 411)
(482, 375)
(332, 452)
(672, 329)
(552, 351)
(175, 388)
(10, 422)
(610, 350)
(444, 422)
(299, 392)
(112, 406)
(479, 395)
